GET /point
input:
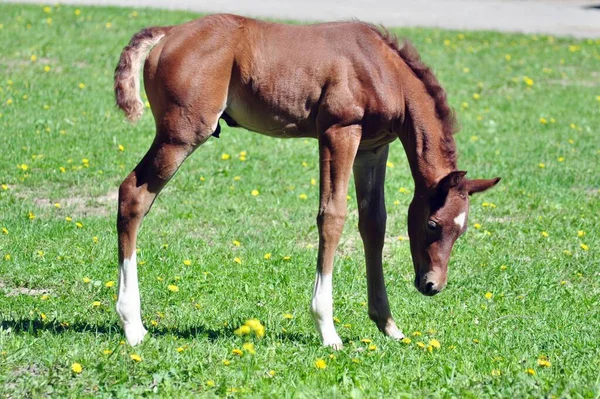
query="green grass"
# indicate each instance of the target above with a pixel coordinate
(545, 290)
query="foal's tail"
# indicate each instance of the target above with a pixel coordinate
(127, 73)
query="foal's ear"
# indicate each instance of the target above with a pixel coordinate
(477, 186)
(451, 180)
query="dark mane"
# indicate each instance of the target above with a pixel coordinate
(411, 58)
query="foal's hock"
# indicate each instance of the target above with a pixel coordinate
(347, 84)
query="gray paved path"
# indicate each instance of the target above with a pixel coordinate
(576, 18)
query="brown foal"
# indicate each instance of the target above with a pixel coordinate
(347, 84)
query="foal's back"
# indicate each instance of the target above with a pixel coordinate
(279, 80)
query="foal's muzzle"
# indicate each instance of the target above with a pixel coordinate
(426, 286)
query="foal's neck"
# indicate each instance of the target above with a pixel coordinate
(427, 147)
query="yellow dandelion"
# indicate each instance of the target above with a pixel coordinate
(187, 262)
(475, 341)
(81, 85)
(543, 121)
(544, 362)
(237, 260)
(46, 68)
(303, 196)
(304, 164)
(243, 330)
(180, 349)
(272, 373)
(236, 243)
(68, 218)
(109, 284)
(389, 164)
(4, 230)
(286, 258)
(372, 347)
(225, 156)
(476, 96)
(77, 12)
(121, 147)
(477, 225)
(45, 297)
(210, 383)
(488, 295)
(4, 187)
(580, 233)
(366, 340)
(33, 58)
(43, 316)
(288, 316)
(31, 215)
(561, 159)
(313, 182)
(528, 81)
(76, 368)
(584, 247)
(267, 256)
(108, 25)
(503, 267)
(135, 358)
(87, 280)
(173, 288)
(320, 364)
(545, 234)
(237, 352)
(107, 351)
(496, 373)
(421, 344)
(226, 362)
(541, 165)
(7, 257)
(96, 304)
(254, 192)
(435, 343)
(79, 225)
(530, 371)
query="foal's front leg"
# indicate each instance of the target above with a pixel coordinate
(337, 148)
(369, 177)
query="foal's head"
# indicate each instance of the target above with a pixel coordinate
(436, 218)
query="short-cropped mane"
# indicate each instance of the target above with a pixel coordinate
(411, 58)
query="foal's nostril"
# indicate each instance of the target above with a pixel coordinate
(429, 287)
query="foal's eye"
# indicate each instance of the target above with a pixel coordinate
(431, 225)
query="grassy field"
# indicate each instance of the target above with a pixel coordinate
(520, 316)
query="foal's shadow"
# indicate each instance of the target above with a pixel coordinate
(34, 327)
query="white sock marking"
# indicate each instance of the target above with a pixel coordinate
(460, 220)
(322, 310)
(128, 302)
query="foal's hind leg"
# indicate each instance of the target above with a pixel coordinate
(136, 195)
(369, 177)
(337, 148)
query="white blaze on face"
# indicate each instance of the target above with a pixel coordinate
(128, 302)
(460, 220)
(322, 310)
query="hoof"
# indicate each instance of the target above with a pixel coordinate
(393, 332)
(334, 343)
(134, 333)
